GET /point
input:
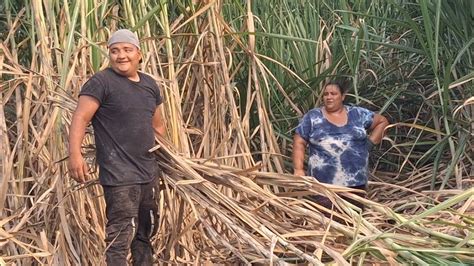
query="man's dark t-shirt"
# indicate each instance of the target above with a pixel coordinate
(123, 127)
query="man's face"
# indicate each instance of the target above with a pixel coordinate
(125, 58)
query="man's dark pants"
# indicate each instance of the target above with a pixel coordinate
(132, 219)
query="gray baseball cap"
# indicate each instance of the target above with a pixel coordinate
(124, 35)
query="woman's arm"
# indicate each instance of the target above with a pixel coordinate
(377, 128)
(299, 148)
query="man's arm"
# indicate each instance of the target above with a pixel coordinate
(299, 148)
(377, 128)
(86, 108)
(158, 124)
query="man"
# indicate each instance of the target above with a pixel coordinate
(123, 105)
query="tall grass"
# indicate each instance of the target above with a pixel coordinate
(236, 77)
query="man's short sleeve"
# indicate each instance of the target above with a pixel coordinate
(150, 82)
(304, 127)
(93, 87)
(159, 99)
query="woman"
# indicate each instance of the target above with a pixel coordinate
(338, 141)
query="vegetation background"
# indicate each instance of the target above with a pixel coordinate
(237, 76)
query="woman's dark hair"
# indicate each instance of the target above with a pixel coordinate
(340, 85)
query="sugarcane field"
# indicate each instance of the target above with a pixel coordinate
(224, 132)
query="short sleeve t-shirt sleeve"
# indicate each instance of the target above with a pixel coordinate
(337, 154)
(95, 88)
(366, 116)
(304, 128)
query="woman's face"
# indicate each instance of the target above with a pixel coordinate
(333, 98)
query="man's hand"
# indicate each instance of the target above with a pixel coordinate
(78, 168)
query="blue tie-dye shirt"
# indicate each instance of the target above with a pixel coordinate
(337, 154)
